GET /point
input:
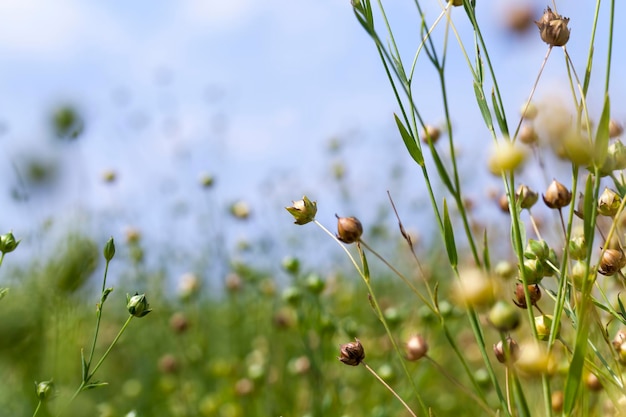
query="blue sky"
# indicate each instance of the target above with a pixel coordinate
(250, 91)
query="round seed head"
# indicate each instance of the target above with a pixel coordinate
(529, 112)
(527, 135)
(612, 261)
(609, 203)
(520, 298)
(557, 196)
(508, 354)
(615, 128)
(431, 133)
(349, 229)
(416, 348)
(553, 28)
(526, 196)
(506, 157)
(503, 316)
(352, 353)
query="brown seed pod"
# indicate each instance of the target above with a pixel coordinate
(349, 229)
(416, 348)
(557, 195)
(553, 28)
(352, 353)
(612, 261)
(520, 299)
(509, 355)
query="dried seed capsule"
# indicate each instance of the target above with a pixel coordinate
(349, 229)
(520, 298)
(612, 261)
(527, 135)
(615, 128)
(352, 353)
(553, 28)
(508, 355)
(416, 348)
(431, 133)
(557, 196)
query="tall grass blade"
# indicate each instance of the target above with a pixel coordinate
(409, 142)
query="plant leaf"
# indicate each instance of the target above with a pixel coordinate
(602, 134)
(588, 207)
(449, 236)
(482, 104)
(409, 142)
(441, 169)
(499, 116)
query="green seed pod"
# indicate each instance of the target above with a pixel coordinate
(537, 249)
(577, 247)
(303, 211)
(543, 324)
(504, 317)
(533, 270)
(609, 203)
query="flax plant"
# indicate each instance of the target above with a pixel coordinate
(574, 271)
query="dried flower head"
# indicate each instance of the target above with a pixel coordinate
(612, 261)
(349, 229)
(553, 28)
(534, 293)
(507, 354)
(352, 353)
(303, 211)
(557, 195)
(416, 348)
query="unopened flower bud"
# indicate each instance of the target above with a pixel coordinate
(508, 353)
(557, 196)
(526, 196)
(416, 348)
(349, 229)
(553, 28)
(609, 203)
(543, 324)
(179, 323)
(8, 243)
(109, 249)
(352, 353)
(457, 3)
(431, 133)
(534, 293)
(315, 284)
(611, 262)
(291, 265)
(615, 128)
(303, 211)
(137, 305)
(44, 389)
(503, 316)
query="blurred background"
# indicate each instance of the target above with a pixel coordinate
(183, 129)
(165, 117)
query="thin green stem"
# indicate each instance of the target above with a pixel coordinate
(382, 381)
(38, 404)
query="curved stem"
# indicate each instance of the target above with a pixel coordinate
(382, 381)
